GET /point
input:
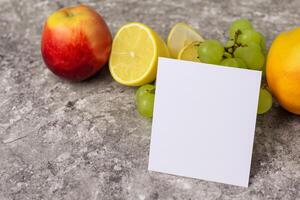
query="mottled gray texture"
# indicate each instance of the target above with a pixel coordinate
(64, 140)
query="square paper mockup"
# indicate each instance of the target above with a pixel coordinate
(204, 121)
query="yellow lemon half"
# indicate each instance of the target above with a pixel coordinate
(181, 35)
(134, 55)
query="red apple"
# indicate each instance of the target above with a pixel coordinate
(76, 42)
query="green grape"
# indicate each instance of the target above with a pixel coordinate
(240, 63)
(240, 24)
(234, 62)
(263, 43)
(144, 89)
(211, 51)
(145, 105)
(249, 36)
(227, 55)
(229, 43)
(265, 101)
(230, 50)
(252, 55)
(145, 100)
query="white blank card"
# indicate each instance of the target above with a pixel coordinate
(204, 121)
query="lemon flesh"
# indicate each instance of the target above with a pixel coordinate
(189, 52)
(134, 55)
(181, 35)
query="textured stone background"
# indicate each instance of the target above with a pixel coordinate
(63, 140)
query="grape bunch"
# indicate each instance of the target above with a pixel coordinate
(245, 48)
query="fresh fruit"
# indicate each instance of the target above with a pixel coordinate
(134, 55)
(145, 100)
(227, 55)
(76, 42)
(264, 102)
(239, 25)
(145, 105)
(283, 70)
(144, 89)
(210, 51)
(252, 55)
(229, 43)
(180, 36)
(249, 36)
(247, 44)
(234, 62)
(190, 52)
(263, 43)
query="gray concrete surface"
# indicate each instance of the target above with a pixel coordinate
(64, 140)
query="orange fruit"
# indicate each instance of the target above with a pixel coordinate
(283, 70)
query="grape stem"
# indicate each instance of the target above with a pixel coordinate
(236, 35)
(236, 45)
